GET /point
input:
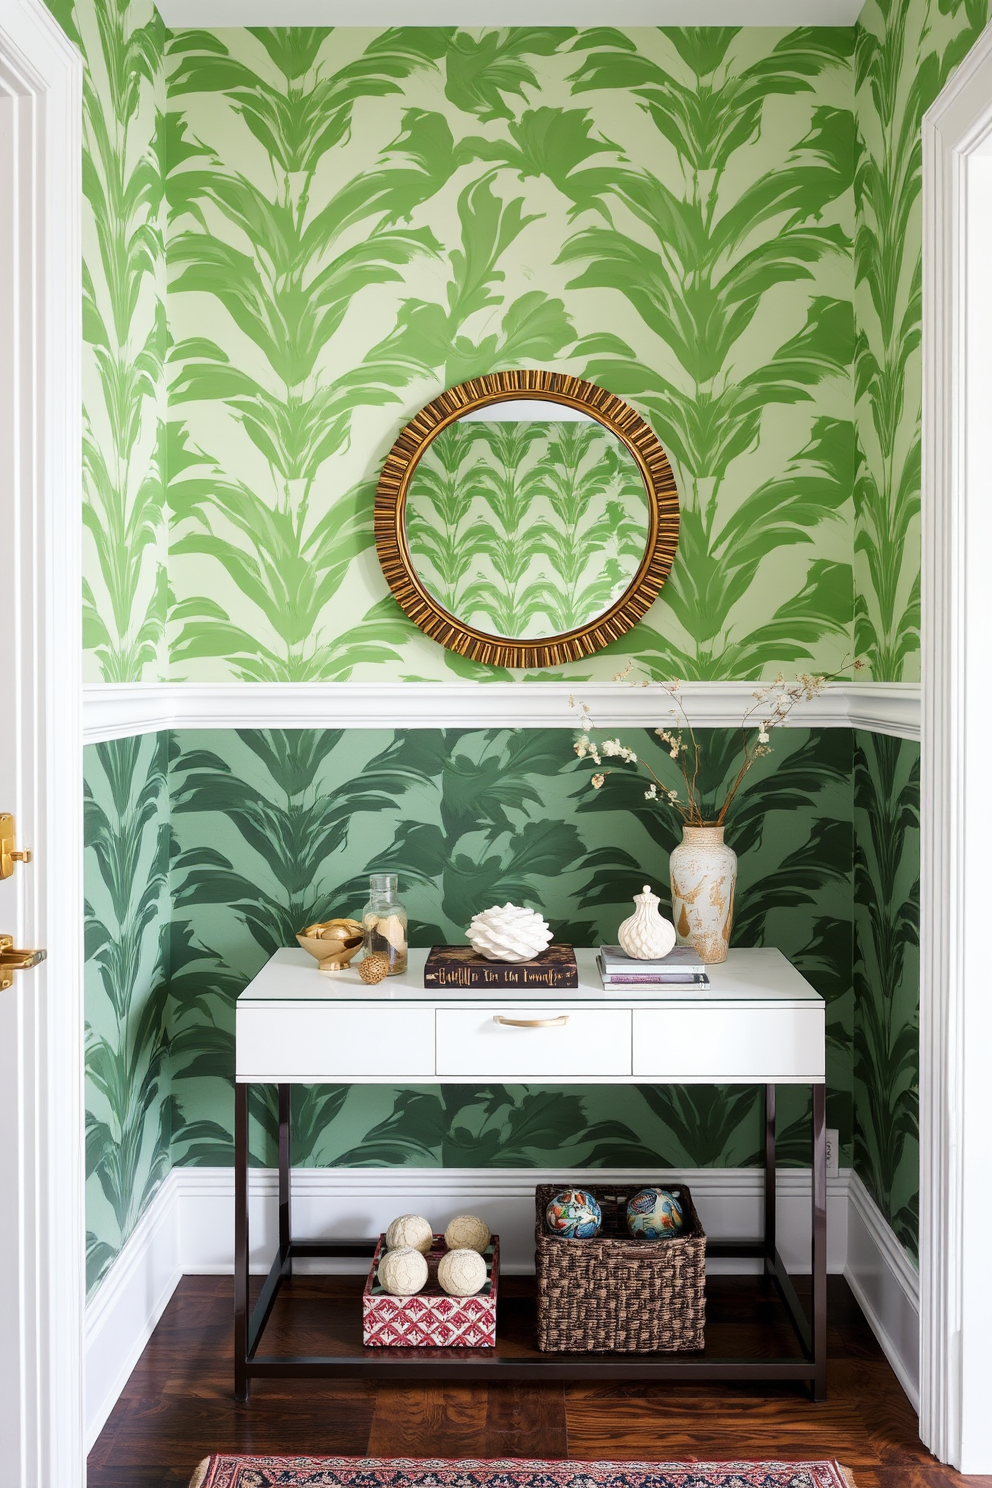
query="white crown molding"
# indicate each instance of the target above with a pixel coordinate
(471, 13)
(119, 710)
(884, 708)
(955, 1011)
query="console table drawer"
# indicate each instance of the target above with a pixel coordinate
(325, 1044)
(709, 1045)
(588, 1044)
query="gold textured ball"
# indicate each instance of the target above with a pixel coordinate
(410, 1229)
(462, 1273)
(467, 1232)
(373, 968)
(402, 1272)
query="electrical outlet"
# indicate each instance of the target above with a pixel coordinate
(833, 1152)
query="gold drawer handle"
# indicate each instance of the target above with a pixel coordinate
(531, 1022)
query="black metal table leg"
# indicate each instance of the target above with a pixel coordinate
(819, 1252)
(770, 1204)
(810, 1366)
(241, 1386)
(285, 1216)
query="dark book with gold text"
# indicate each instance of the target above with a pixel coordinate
(461, 966)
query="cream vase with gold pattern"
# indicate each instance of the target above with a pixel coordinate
(704, 872)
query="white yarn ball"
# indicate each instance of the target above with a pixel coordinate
(403, 1272)
(467, 1232)
(462, 1273)
(410, 1229)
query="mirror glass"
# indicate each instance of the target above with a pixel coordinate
(526, 519)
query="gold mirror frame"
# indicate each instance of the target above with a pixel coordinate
(554, 387)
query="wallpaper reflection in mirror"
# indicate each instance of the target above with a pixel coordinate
(526, 527)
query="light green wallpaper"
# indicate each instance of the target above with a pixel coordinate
(360, 218)
(124, 332)
(128, 1110)
(527, 528)
(906, 50)
(273, 830)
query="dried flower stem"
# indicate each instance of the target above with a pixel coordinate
(770, 709)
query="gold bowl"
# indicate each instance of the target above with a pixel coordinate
(333, 943)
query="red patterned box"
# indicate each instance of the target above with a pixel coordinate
(431, 1319)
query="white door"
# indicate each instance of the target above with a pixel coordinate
(41, 1132)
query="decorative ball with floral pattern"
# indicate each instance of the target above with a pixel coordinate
(654, 1214)
(574, 1214)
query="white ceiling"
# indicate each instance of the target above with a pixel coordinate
(472, 13)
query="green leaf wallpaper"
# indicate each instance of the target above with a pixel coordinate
(526, 528)
(128, 1107)
(270, 830)
(273, 830)
(905, 52)
(124, 332)
(502, 198)
(361, 218)
(887, 976)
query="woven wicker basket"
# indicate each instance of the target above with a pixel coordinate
(613, 1294)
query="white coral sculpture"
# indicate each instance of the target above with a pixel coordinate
(509, 933)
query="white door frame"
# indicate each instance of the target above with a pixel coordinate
(41, 1367)
(956, 820)
(41, 81)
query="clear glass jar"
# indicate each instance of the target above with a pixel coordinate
(384, 919)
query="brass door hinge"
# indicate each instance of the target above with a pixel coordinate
(9, 853)
(12, 960)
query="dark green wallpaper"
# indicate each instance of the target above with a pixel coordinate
(128, 1110)
(887, 976)
(272, 830)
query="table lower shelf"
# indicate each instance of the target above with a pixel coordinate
(323, 1314)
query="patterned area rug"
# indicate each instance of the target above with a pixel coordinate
(357, 1472)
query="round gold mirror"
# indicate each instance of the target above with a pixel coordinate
(526, 519)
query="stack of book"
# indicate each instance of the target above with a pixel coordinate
(681, 967)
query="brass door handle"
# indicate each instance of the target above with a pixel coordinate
(9, 852)
(12, 960)
(531, 1022)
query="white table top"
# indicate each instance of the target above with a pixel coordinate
(747, 978)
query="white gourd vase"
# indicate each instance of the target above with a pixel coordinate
(704, 873)
(647, 935)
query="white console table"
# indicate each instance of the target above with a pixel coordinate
(758, 1023)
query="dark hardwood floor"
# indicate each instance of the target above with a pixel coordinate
(178, 1404)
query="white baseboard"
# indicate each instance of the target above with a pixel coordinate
(362, 1201)
(886, 1285)
(116, 710)
(122, 1313)
(188, 1230)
